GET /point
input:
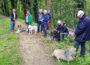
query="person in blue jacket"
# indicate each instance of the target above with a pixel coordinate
(82, 32)
(13, 18)
(45, 23)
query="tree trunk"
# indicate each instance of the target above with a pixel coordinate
(49, 3)
(80, 4)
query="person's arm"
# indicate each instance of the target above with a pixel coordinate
(30, 21)
(81, 28)
(11, 16)
(66, 29)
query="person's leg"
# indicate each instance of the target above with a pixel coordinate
(61, 34)
(82, 49)
(58, 37)
(47, 27)
(12, 23)
(64, 34)
(51, 35)
(42, 27)
(76, 45)
(28, 28)
(38, 26)
(45, 30)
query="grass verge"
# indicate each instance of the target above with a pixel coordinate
(9, 46)
(66, 44)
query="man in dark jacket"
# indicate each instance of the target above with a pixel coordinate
(82, 33)
(62, 29)
(39, 19)
(44, 24)
(13, 18)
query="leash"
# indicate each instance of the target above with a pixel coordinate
(67, 53)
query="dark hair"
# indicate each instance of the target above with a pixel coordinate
(28, 10)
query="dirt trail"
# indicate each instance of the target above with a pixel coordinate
(32, 50)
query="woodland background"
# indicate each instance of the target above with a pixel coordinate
(65, 10)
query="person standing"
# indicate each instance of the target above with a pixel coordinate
(82, 32)
(13, 18)
(45, 23)
(39, 19)
(28, 19)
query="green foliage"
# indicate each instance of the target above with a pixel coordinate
(8, 45)
(67, 41)
(12, 37)
(65, 10)
(42, 4)
(87, 7)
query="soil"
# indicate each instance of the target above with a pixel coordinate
(32, 49)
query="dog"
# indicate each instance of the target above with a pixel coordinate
(31, 28)
(53, 35)
(65, 55)
(19, 29)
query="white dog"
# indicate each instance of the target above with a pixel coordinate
(65, 55)
(31, 28)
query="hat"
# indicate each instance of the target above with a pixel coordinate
(59, 22)
(80, 12)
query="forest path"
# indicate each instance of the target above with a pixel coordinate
(32, 48)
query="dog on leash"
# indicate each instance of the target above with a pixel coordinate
(31, 28)
(65, 55)
(53, 35)
(19, 29)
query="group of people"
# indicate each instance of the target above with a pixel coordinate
(43, 18)
(82, 32)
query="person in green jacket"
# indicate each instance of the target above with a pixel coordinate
(28, 18)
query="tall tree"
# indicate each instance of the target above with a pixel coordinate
(49, 4)
(80, 4)
(14, 3)
(5, 7)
